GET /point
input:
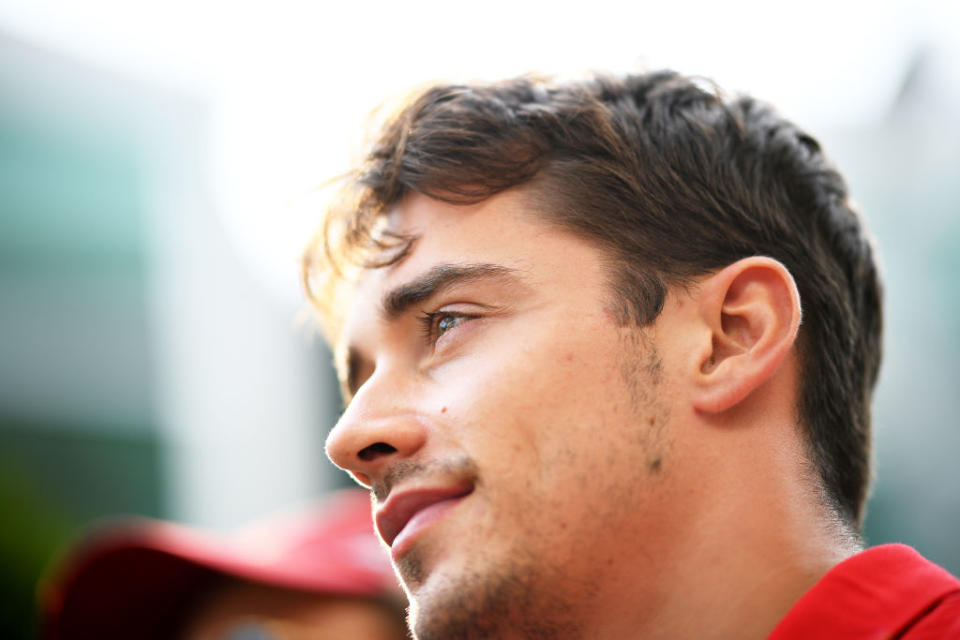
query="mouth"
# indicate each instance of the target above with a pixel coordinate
(407, 513)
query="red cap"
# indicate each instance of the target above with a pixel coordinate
(138, 579)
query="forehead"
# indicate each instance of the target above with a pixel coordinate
(487, 228)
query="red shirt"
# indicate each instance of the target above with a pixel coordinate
(882, 593)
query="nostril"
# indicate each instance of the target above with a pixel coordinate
(375, 450)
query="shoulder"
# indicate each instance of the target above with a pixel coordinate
(883, 592)
(940, 622)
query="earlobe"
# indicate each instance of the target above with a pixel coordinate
(751, 313)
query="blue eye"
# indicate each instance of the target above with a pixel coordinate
(446, 323)
(436, 324)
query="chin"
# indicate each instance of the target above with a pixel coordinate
(506, 600)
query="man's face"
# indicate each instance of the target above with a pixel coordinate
(517, 438)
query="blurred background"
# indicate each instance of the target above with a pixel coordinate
(154, 163)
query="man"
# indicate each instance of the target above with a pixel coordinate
(608, 348)
(313, 574)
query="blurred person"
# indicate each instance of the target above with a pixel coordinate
(315, 574)
(608, 348)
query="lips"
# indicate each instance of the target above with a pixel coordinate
(413, 509)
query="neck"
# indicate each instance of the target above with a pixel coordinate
(752, 539)
(759, 558)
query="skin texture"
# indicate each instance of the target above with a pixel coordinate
(619, 477)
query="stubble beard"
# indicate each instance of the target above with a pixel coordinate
(506, 601)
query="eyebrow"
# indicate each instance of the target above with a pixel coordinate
(440, 278)
(401, 298)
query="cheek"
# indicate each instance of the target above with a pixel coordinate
(547, 396)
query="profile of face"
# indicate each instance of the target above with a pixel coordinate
(239, 610)
(517, 438)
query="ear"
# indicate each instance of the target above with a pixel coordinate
(751, 313)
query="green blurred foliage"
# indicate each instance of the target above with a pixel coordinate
(53, 484)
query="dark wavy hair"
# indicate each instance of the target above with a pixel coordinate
(674, 180)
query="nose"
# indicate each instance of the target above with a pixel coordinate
(380, 426)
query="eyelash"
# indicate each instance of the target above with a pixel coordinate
(430, 321)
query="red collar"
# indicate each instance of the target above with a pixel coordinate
(875, 594)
